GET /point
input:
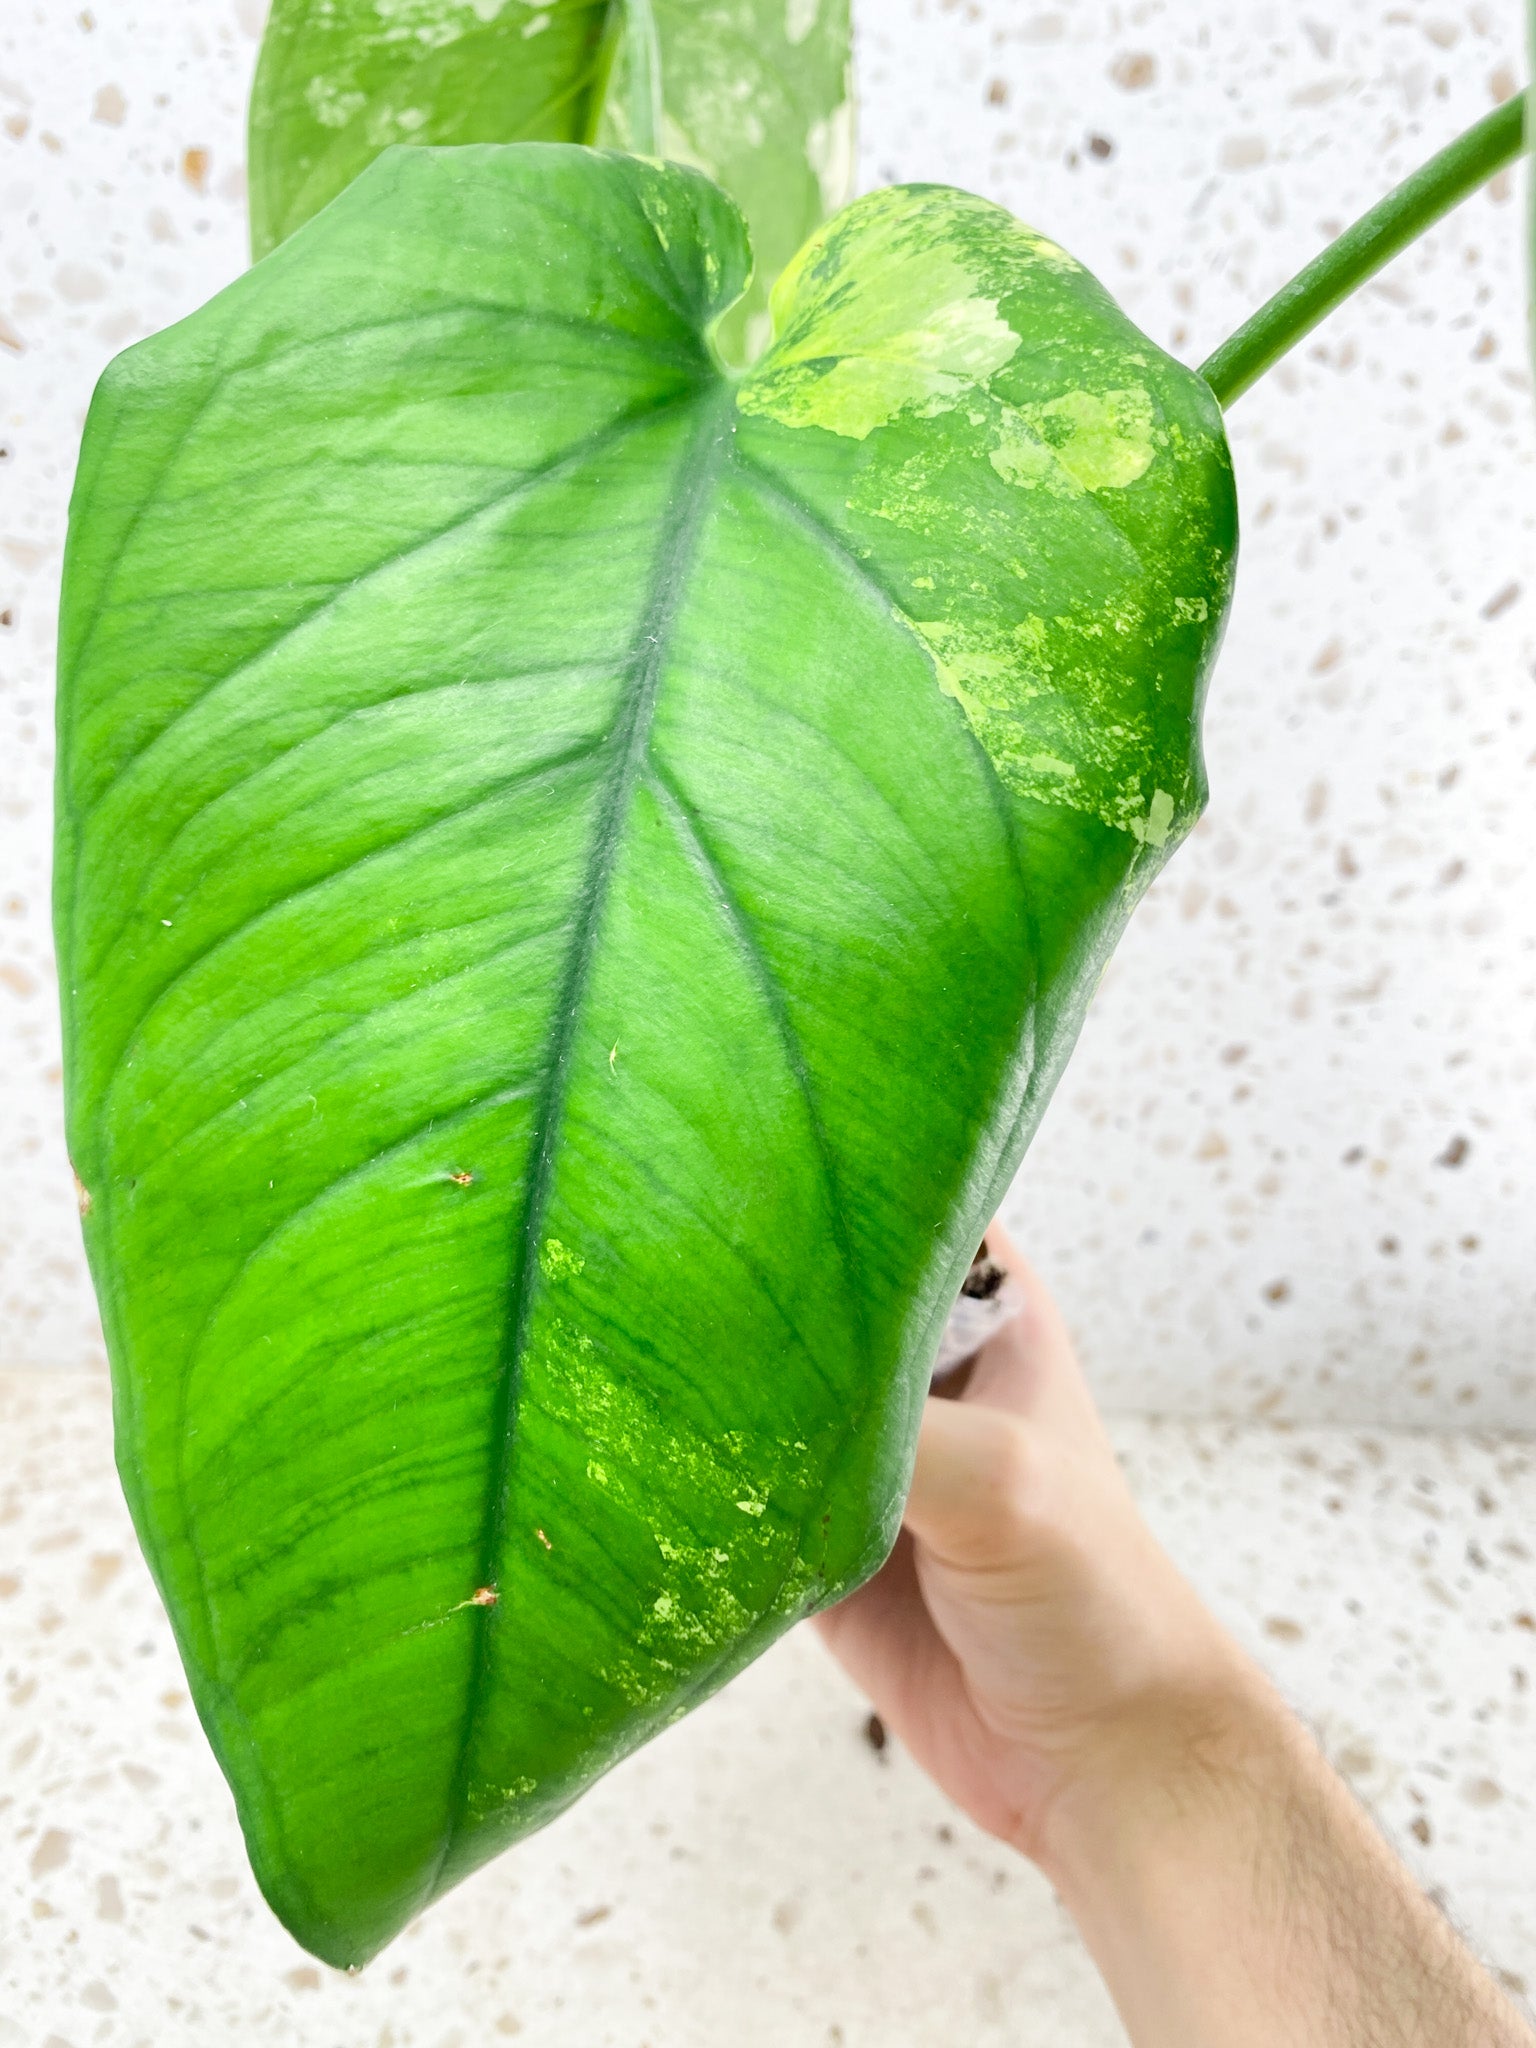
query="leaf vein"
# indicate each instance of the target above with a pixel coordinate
(675, 554)
(527, 485)
(345, 871)
(689, 829)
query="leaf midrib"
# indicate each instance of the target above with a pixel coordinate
(674, 559)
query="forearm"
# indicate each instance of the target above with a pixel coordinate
(1239, 1898)
(1038, 1653)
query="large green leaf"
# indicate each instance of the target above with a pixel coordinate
(575, 878)
(338, 81)
(758, 93)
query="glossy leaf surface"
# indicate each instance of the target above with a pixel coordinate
(338, 82)
(758, 93)
(575, 879)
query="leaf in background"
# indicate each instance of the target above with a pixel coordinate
(337, 83)
(575, 880)
(759, 94)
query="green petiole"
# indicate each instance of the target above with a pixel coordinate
(1365, 248)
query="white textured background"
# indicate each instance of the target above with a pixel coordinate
(1240, 1190)
(1244, 1189)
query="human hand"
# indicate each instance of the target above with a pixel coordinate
(1028, 1641)
(1039, 1655)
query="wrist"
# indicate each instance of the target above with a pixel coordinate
(1234, 1895)
(1174, 1860)
(1189, 1763)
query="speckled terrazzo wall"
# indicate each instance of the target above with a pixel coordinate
(760, 1876)
(1289, 1174)
(1291, 1171)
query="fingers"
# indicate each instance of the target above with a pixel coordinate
(884, 1637)
(974, 1484)
(860, 1628)
(1030, 1367)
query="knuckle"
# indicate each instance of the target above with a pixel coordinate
(1011, 1478)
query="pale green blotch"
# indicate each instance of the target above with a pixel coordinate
(993, 675)
(890, 357)
(661, 1471)
(1021, 457)
(895, 308)
(978, 678)
(829, 149)
(1153, 829)
(332, 105)
(1081, 441)
(892, 306)
(557, 1263)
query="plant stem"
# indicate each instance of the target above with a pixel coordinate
(1362, 250)
(642, 78)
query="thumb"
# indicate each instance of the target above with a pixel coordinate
(976, 1486)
